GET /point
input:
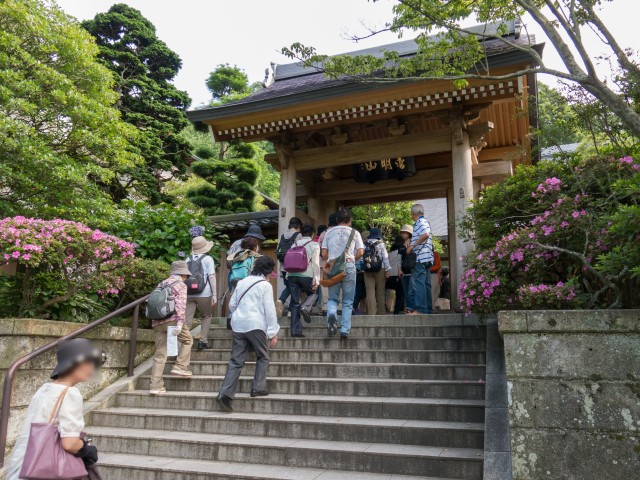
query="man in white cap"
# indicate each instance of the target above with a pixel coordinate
(201, 286)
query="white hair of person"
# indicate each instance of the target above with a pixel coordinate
(417, 209)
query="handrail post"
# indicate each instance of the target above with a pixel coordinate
(133, 344)
(6, 408)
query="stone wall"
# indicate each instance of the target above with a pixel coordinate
(20, 336)
(574, 393)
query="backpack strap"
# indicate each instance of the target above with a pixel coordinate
(351, 237)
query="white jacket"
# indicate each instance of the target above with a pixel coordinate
(256, 310)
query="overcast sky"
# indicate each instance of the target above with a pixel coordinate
(250, 33)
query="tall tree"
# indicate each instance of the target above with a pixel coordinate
(227, 83)
(457, 53)
(59, 130)
(144, 68)
(234, 171)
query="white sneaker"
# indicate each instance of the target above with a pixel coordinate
(279, 307)
(158, 391)
(181, 372)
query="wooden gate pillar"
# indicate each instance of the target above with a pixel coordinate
(288, 176)
(463, 193)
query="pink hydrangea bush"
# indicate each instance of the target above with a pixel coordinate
(83, 259)
(555, 259)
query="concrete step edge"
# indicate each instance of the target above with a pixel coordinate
(306, 419)
(326, 398)
(240, 470)
(396, 450)
(350, 364)
(327, 380)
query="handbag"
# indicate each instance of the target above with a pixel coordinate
(335, 271)
(45, 458)
(409, 260)
(239, 300)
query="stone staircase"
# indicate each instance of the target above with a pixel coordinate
(402, 399)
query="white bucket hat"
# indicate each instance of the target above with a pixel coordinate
(200, 245)
(407, 229)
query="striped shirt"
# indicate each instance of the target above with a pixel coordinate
(425, 250)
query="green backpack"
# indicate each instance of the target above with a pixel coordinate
(241, 269)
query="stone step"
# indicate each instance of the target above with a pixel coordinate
(293, 355)
(351, 370)
(116, 466)
(317, 405)
(439, 319)
(357, 343)
(334, 429)
(349, 456)
(315, 330)
(460, 389)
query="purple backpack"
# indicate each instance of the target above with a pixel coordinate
(296, 259)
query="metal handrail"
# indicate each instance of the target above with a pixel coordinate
(7, 389)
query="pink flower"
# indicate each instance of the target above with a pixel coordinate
(26, 256)
(575, 214)
(15, 254)
(626, 160)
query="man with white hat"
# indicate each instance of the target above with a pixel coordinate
(202, 290)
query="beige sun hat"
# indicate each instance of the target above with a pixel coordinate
(200, 245)
(407, 228)
(180, 267)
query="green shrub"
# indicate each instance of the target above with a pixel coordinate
(570, 241)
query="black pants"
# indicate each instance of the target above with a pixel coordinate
(298, 285)
(361, 292)
(394, 283)
(287, 291)
(242, 342)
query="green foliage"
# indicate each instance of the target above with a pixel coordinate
(59, 134)
(144, 67)
(142, 275)
(230, 188)
(388, 217)
(507, 206)
(160, 232)
(227, 83)
(556, 118)
(574, 244)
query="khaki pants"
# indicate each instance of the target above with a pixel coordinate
(375, 282)
(160, 356)
(203, 304)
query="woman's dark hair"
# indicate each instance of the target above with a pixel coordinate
(333, 219)
(307, 230)
(263, 266)
(295, 222)
(249, 243)
(397, 243)
(321, 229)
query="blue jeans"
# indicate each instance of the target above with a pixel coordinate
(421, 283)
(348, 288)
(409, 293)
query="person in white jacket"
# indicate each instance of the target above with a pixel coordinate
(255, 324)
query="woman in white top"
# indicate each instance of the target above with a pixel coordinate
(77, 362)
(255, 324)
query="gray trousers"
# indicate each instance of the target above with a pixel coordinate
(203, 304)
(239, 351)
